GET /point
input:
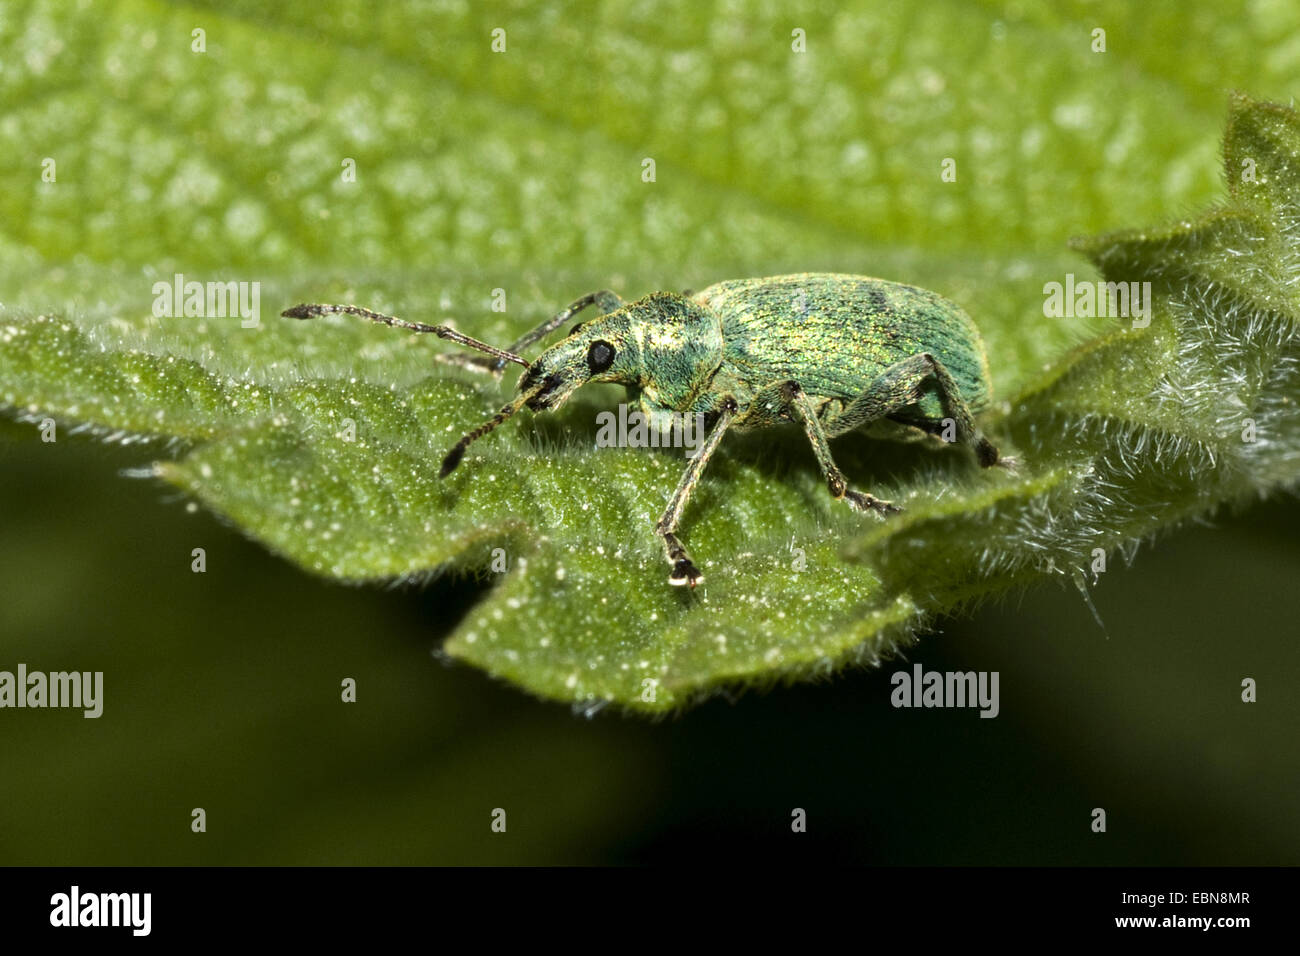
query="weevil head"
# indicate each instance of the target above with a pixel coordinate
(666, 346)
(662, 344)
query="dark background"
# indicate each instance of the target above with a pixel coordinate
(222, 692)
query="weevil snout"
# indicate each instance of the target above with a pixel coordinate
(550, 394)
(564, 368)
(550, 380)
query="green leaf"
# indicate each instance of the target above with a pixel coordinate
(512, 171)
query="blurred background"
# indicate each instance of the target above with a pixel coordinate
(222, 689)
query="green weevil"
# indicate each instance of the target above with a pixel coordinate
(832, 352)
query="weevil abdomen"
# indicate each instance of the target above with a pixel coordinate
(835, 334)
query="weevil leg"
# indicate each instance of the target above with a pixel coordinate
(901, 384)
(603, 299)
(794, 396)
(684, 570)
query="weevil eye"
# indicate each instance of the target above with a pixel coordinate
(600, 356)
(574, 330)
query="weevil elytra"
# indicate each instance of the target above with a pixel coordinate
(830, 352)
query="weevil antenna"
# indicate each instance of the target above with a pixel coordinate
(458, 450)
(305, 311)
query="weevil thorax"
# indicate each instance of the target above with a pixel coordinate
(664, 345)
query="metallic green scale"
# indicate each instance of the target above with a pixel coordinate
(831, 352)
(864, 325)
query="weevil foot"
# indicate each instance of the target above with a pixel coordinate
(684, 572)
(865, 502)
(1010, 464)
(987, 453)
